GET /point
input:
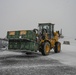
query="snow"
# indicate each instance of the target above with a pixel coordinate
(67, 55)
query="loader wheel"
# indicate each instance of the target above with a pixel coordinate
(45, 48)
(57, 48)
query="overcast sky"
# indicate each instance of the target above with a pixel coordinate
(26, 14)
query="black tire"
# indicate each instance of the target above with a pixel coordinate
(57, 48)
(45, 48)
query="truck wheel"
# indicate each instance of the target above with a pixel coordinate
(57, 48)
(45, 48)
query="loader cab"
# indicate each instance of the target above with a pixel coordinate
(48, 28)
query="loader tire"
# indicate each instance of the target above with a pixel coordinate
(57, 48)
(45, 48)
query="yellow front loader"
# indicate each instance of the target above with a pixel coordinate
(48, 39)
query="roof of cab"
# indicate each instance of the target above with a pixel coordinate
(46, 24)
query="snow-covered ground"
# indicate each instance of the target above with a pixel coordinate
(68, 52)
(63, 63)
